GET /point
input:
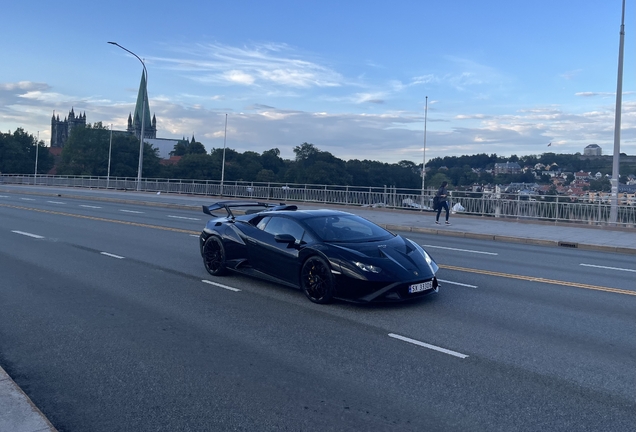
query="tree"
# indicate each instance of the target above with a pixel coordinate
(305, 152)
(17, 153)
(601, 185)
(266, 176)
(271, 160)
(86, 153)
(198, 166)
(184, 147)
(437, 180)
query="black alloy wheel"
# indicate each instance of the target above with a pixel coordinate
(214, 256)
(316, 280)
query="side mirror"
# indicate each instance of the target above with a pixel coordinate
(284, 238)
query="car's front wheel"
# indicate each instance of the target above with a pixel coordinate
(214, 256)
(316, 280)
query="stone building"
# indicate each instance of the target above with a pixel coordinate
(507, 168)
(61, 129)
(592, 150)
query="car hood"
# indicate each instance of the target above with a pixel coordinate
(396, 256)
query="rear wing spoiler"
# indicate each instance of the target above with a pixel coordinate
(228, 205)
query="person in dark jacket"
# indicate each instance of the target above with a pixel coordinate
(442, 196)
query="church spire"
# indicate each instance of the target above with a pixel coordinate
(142, 100)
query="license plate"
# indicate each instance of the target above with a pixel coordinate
(420, 287)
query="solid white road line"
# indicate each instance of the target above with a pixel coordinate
(425, 345)
(182, 217)
(608, 268)
(112, 255)
(460, 250)
(457, 283)
(130, 211)
(28, 234)
(56, 202)
(89, 206)
(220, 285)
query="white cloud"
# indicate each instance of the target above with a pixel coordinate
(265, 64)
(238, 77)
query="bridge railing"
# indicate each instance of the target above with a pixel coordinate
(556, 208)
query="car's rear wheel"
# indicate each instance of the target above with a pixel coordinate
(316, 280)
(214, 256)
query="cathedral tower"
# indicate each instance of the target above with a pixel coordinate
(142, 108)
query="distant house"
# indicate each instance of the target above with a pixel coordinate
(593, 150)
(626, 189)
(582, 175)
(575, 191)
(507, 168)
(172, 160)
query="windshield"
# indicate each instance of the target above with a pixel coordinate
(347, 228)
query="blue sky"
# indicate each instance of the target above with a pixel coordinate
(351, 77)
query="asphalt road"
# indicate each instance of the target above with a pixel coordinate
(109, 322)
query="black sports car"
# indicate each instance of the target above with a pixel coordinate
(326, 253)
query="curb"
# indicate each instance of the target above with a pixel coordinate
(19, 413)
(509, 239)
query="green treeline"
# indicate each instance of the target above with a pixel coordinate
(86, 153)
(17, 154)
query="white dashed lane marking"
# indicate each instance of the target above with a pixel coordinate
(28, 234)
(112, 255)
(221, 285)
(429, 346)
(131, 211)
(183, 217)
(460, 250)
(457, 283)
(608, 268)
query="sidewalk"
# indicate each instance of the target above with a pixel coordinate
(18, 414)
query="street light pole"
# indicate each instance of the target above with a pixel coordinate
(37, 147)
(143, 115)
(223, 165)
(424, 152)
(110, 147)
(617, 126)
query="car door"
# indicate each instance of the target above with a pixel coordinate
(277, 259)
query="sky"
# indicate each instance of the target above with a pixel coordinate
(360, 79)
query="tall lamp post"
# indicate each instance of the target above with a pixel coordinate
(37, 147)
(143, 115)
(617, 125)
(424, 152)
(223, 163)
(110, 147)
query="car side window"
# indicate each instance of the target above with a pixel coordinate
(261, 224)
(283, 225)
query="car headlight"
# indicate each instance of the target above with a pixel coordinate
(368, 267)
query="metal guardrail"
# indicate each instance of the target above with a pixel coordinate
(555, 208)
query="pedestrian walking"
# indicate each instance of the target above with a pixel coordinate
(442, 202)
